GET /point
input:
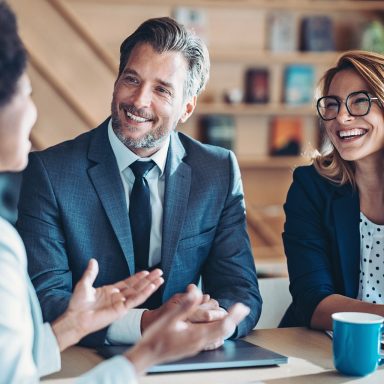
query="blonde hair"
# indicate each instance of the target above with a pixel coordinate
(370, 66)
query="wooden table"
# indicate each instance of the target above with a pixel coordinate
(309, 362)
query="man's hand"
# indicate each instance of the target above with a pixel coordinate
(91, 309)
(172, 336)
(206, 311)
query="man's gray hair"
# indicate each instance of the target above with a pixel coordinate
(165, 34)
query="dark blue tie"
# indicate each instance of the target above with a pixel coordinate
(140, 215)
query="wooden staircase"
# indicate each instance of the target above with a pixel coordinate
(72, 74)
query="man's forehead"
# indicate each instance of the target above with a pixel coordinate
(166, 67)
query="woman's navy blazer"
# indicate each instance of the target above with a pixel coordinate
(322, 243)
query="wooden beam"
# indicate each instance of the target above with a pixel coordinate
(85, 35)
(60, 89)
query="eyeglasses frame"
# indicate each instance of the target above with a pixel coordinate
(339, 101)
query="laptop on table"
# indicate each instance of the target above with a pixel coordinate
(233, 354)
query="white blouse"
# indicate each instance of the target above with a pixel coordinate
(28, 348)
(371, 280)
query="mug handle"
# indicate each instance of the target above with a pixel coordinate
(381, 356)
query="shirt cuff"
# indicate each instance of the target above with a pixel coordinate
(126, 330)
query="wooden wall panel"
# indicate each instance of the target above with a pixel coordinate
(56, 120)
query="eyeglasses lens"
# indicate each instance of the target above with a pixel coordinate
(358, 104)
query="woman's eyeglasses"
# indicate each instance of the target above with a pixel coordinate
(357, 103)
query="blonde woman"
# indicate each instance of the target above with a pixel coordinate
(334, 230)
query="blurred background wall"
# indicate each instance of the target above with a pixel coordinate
(267, 57)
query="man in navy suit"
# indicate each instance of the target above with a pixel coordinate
(184, 213)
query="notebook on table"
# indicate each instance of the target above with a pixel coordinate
(233, 354)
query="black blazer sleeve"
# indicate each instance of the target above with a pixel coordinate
(308, 245)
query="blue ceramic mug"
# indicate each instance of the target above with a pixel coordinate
(356, 342)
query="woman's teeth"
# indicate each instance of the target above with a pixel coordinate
(351, 133)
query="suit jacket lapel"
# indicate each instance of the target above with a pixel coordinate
(106, 179)
(177, 189)
(346, 215)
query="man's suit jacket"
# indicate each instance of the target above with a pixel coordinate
(72, 207)
(322, 243)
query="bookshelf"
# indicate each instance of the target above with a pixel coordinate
(310, 5)
(243, 109)
(272, 162)
(237, 35)
(231, 59)
(267, 178)
(266, 57)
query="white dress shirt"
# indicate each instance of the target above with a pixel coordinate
(127, 329)
(28, 347)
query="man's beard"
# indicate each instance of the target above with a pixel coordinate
(151, 139)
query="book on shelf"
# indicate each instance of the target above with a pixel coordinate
(256, 85)
(299, 84)
(194, 19)
(218, 130)
(286, 136)
(317, 33)
(282, 32)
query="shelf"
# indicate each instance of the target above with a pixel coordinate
(307, 5)
(270, 162)
(255, 109)
(266, 266)
(268, 57)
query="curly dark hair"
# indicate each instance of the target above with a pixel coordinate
(13, 56)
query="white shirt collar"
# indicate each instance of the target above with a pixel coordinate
(125, 157)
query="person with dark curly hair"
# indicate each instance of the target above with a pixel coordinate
(30, 348)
